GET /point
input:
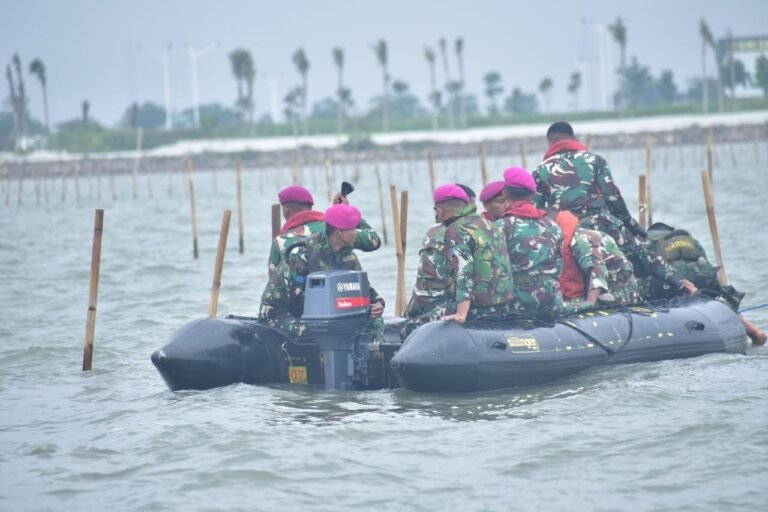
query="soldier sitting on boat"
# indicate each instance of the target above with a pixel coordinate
(572, 178)
(595, 271)
(301, 221)
(686, 255)
(282, 302)
(495, 202)
(534, 242)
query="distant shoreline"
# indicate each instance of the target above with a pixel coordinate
(311, 150)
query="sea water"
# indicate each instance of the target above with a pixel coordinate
(673, 435)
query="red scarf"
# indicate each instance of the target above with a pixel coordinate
(524, 209)
(487, 216)
(301, 218)
(564, 145)
(571, 279)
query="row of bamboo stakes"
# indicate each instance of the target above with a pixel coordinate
(399, 224)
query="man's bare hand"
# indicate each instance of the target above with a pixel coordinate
(688, 287)
(340, 199)
(377, 309)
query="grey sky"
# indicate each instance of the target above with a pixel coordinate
(90, 46)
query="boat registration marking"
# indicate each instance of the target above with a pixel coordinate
(522, 343)
(297, 374)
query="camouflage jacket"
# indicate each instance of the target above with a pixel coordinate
(534, 246)
(479, 260)
(285, 289)
(581, 182)
(606, 267)
(433, 279)
(366, 240)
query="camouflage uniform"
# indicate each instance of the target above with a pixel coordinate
(282, 302)
(366, 240)
(479, 260)
(606, 267)
(581, 182)
(686, 255)
(432, 294)
(534, 246)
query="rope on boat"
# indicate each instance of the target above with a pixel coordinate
(752, 308)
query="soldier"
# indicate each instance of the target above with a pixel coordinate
(595, 271)
(282, 302)
(477, 256)
(534, 242)
(574, 179)
(494, 200)
(302, 222)
(684, 253)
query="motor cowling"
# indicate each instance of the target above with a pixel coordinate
(337, 315)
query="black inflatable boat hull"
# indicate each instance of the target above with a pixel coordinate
(446, 357)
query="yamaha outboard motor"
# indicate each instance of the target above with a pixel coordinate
(337, 315)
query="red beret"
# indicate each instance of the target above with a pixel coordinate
(517, 177)
(491, 190)
(342, 216)
(450, 191)
(295, 194)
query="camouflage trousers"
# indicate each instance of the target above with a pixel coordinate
(644, 261)
(417, 318)
(541, 300)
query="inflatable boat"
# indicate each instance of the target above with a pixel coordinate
(337, 352)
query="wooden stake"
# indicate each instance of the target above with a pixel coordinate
(191, 183)
(98, 183)
(63, 186)
(483, 168)
(111, 172)
(522, 155)
(223, 235)
(328, 177)
(93, 291)
(404, 243)
(431, 171)
(381, 201)
(275, 220)
(77, 183)
(710, 203)
(139, 137)
(589, 142)
(45, 186)
(648, 179)
(295, 169)
(240, 242)
(642, 205)
(709, 154)
(398, 250)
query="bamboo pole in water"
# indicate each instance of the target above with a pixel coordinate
(710, 204)
(111, 172)
(45, 185)
(404, 243)
(431, 171)
(588, 143)
(295, 169)
(191, 183)
(398, 251)
(137, 157)
(483, 167)
(240, 239)
(21, 188)
(522, 155)
(37, 189)
(63, 186)
(648, 179)
(77, 183)
(275, 220)
(381, 201)
(222, 248)
(642, 204)
(98, 183)
(93, 291)
(709, 154)
(328, 177)
(7, 187)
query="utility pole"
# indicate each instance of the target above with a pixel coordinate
(164, 57)
(193, 56)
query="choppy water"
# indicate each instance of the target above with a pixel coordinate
(673, 435)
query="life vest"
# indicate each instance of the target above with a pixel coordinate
(571, 279)
(678, 245)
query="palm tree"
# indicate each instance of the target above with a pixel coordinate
(459, 47)
(444, 55)
(380, 49)
(37, 68)
(707, 40)
(545, 88)
(21, 96)
(338, 58)
(86, 109)
(619, 32)
(249, 75)
(573, 88)
(302, 66)
(493, 88)
(434, 94)
(237, 59)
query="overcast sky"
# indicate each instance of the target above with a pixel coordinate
(90, 47)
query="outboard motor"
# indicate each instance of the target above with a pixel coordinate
(337, 315)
